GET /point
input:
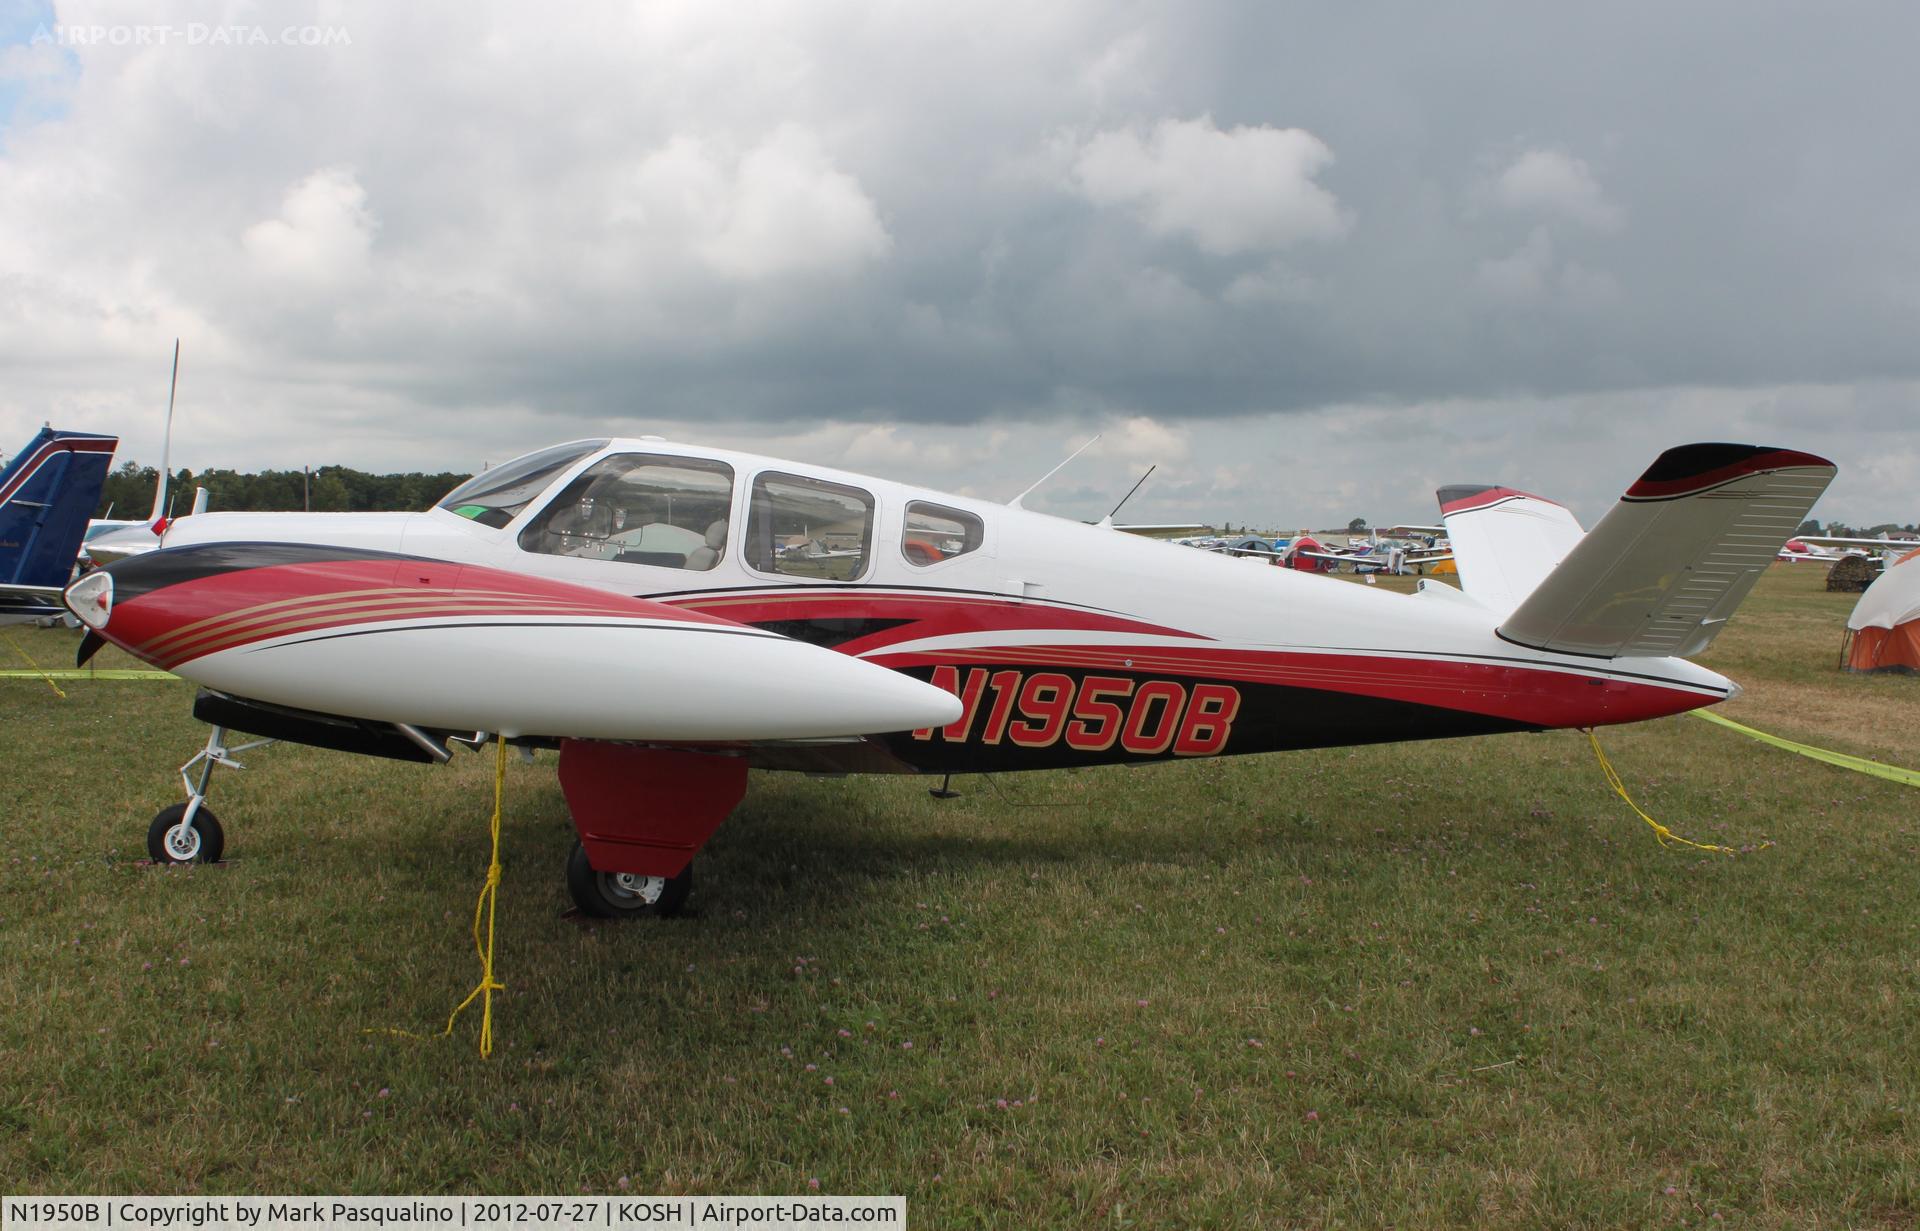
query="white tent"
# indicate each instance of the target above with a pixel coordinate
(1883, 633)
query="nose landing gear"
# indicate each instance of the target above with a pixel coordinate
(189, 832)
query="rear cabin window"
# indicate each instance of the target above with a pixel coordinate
(640, 508)
(800, 527)
(934, 533)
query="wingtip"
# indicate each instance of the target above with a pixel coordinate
(1688, 469)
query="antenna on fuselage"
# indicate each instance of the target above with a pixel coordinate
(166, 440)
(1015, 502)
(1106, 523)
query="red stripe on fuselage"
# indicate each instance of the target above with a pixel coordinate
(1534, 696)
(926, 615)
(177, 623)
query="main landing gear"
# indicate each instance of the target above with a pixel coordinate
(189, 832)
(642, 814)
(624, 895)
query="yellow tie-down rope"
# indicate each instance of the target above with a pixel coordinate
(489, 896)
(37, 673)
(1666, 836)
(1859, 765)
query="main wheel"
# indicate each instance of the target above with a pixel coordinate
(624, 895)
(170, 841)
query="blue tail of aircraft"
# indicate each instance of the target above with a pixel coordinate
(47, 494)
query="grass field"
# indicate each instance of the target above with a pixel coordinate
(1451, 983)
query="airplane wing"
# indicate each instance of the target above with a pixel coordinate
(19, 604)
(119, 542)
(1668, 564)
(1165, 528)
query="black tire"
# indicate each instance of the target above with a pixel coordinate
(609, 895)
(207, 843)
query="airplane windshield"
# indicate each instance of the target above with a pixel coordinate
(495, 497)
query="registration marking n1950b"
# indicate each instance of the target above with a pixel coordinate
(1093, 713)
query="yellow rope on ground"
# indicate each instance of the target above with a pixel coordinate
(489, 896)
(1665, 835)
(28, 659)
(1859, 765)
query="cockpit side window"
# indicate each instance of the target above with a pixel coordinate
(934, 533)
(495, 497)
(801, 527)
(640, 508)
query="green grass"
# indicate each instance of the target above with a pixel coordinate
(1451, 983)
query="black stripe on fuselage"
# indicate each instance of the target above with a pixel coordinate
(134, 576)
(1271, 718)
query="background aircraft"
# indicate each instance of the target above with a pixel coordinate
(1826, 548)
(963, 637)
(46, 493)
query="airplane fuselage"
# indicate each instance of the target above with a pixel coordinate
(1067, 644)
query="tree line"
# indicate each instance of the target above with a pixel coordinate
(1840, 530)
(329, 489)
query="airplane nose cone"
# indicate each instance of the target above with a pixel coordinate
(91, 599)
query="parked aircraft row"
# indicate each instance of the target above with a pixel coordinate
(1305, 553)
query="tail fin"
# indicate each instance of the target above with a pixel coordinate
(1667, 565)
(47, 493)
(1505, 542)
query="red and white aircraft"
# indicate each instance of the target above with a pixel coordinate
(1825, 549)
(628, 602)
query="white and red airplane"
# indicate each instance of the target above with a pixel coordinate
(1825, 549)
(627, 602)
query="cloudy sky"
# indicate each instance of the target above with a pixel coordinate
(1314, 260)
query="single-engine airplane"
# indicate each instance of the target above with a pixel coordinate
(47, 492)
(961, 636)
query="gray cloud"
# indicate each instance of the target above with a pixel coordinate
(1235, 222)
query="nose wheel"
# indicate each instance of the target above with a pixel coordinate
(176, 837)
(189, 832)
(624, 895)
